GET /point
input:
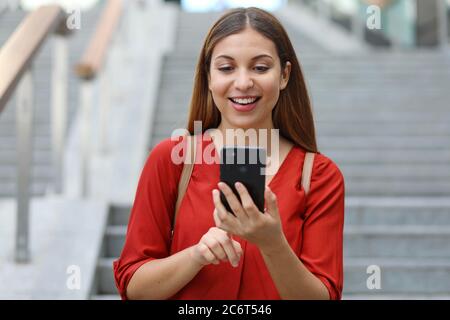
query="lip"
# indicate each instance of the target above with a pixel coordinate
(246, 108)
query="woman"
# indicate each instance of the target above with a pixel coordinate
(247, 78)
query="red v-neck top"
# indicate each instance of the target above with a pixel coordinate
(313, 225)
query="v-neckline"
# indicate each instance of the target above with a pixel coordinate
(280, 168)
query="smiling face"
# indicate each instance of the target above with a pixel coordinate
(244, 67)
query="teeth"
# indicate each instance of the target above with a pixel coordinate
(244, 101)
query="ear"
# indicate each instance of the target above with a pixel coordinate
(285, 75)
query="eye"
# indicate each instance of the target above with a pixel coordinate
(258, 68)
(225, 69)
(261, 68)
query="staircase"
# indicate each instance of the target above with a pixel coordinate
(383, 117)
(41, 171)
(103, 287)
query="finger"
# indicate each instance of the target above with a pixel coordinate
(233, 201)
(271, 200)
(247, 201)
(216, 217)
(221, 210)
(216, 248)
(219, 223)
(229, 249)
(207, 254)
(237, 247)
(228, 220)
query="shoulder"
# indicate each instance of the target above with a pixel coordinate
(164, 147)
(325, 168)
(166, 153)
(327, 191)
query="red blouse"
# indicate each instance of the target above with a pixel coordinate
(313, 225)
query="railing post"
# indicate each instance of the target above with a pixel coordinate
(443, 24)
(358, 25)
(24, 118)
(125, 28)
(324, 9)
(59, 107)
(104, 97)
(87, 92)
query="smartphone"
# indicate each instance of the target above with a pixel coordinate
(244, 164)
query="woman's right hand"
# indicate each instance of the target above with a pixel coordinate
(216, 245)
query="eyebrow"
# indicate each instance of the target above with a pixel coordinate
(254, 58)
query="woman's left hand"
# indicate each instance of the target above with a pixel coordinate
(262, 229)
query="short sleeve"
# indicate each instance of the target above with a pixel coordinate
(322, 251)
(149, 227)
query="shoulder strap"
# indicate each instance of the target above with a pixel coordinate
(186, 173)
(307, 171)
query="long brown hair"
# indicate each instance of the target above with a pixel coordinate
(292, 114)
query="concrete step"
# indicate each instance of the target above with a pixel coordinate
(39, 142)
(387, 241)
(418, 142)
(114, 240)
(119, 215)
(9, 157)
(39, 172)
(10, 128)
(391, 156)
(395, 188)
(398, 171)
(37, 188)
(397, 211)
(398, 276)
(105, 277)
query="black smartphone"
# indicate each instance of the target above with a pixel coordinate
(244, 164)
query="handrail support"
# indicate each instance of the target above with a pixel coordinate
(24, 118)
(59, 106)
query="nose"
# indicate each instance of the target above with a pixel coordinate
(243, 81)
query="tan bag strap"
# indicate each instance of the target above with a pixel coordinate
(186, 173)
(307, 171)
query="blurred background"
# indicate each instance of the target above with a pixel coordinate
(88, 88)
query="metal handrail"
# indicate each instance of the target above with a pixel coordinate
(20, 49)
(95, 54)
(16, 58)
(90, 67)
